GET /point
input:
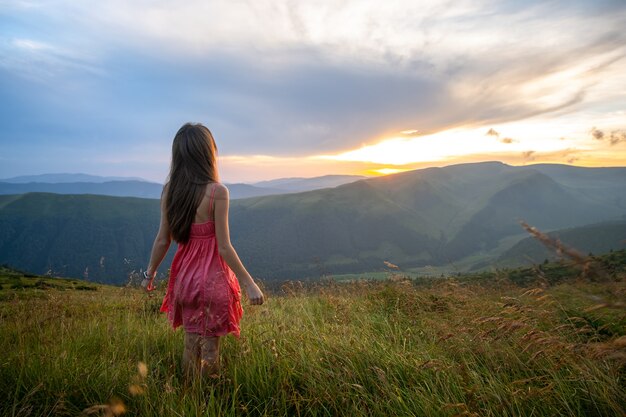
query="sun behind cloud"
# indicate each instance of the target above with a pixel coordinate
(387, 171)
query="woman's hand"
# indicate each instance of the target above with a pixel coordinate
(254, 294)
(148, 280)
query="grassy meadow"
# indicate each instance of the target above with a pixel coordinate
(391, 347)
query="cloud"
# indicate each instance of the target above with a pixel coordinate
(597, 133)
(319, 79)
(617, 136)
(410, 132)
(569, 155)
(45, 62)
(614, 137)
(492, 132)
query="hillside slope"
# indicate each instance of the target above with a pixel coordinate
(100, 238)
(594, 238)
(308, 184)
(424, 217)
(415, 218)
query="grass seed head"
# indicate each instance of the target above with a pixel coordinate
(142, 368)
(116, 407)
(135, 389)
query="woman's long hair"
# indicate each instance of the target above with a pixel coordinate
(193, 167)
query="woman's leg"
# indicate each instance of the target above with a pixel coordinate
(191, 354)
(209, 355)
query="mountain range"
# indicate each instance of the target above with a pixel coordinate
(137, 187)
(465, 213)
(65, 178)
(432, 216)
(298, 184)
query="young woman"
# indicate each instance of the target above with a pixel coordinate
(203, 292)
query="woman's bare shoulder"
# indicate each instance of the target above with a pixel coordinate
(221, 191)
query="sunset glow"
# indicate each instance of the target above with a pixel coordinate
(388, 171)
(526, 140)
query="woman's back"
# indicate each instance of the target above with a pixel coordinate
(204, 212)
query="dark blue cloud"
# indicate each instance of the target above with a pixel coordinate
(256, 110)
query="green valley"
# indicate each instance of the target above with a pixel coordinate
(465, 215)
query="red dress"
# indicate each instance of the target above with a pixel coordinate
(203, 293)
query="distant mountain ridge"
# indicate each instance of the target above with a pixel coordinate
(141, 189)
(124, 187)
(127, 188)
(309, 184)
(433, 216)
(66, 178)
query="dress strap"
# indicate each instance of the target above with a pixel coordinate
(211, 200)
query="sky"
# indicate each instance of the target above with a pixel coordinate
(306, 88)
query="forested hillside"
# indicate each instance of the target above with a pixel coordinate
(425, 217)
(96, 237)
(431, 216)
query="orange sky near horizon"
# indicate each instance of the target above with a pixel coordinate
(514, 144)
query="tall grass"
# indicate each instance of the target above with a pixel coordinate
(387, 348)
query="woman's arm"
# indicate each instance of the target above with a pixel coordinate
(162, 240)
(226, 249)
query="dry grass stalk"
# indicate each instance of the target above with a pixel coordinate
(114, 408)
(614, 350)
(585, 263)
(556, 244)
(533, 291)
(391, 266)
